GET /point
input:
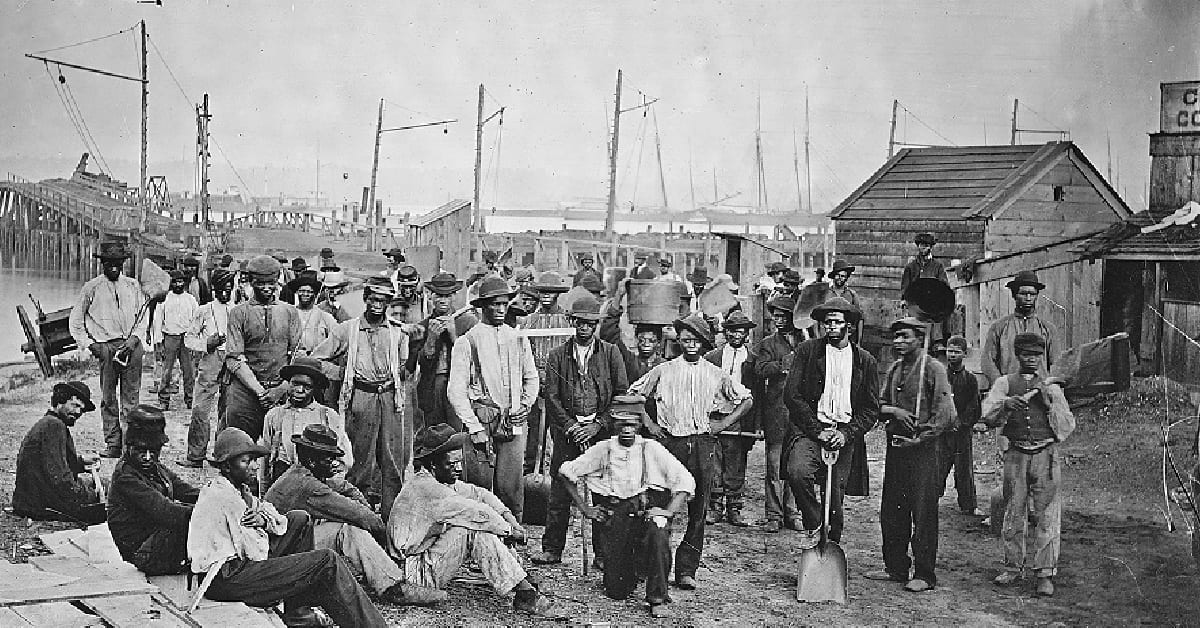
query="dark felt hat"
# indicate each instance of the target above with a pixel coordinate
(226, 259)
(221, 277)
(305, 278)
(1029, 343)
(696, 324)
(319, 438)
(925, 238)
(490, 288)
(395, 251)
(648, 327)
(113, 250)
(233, 442)
(837, 304)
(443, 284)
(191, 262)
(78, 389)
(146, 425)
(698, 275)
(408, 275)
(737, 319)
(586, 307)
(178, 274)
(379, 285)
(299, 264)
(645, 272)
(627, 408)
(841, 266)
(957, 341)
(665, 261)
(776, 267)
(305, 366)
(908, 322)
(326, 252)
(435, 439)
(280, 257)
(550, 281)
(781, 303)
(586, 255)
(1025, 278)
(490, 256)
(791, 275)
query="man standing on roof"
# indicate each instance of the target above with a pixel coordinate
(493, 386)
(999, 358)
(264, 335)
(695, 401)
(923, 265)
(109, 321)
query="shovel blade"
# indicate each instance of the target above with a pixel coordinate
(822, 575)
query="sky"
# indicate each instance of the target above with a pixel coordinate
(292, 84)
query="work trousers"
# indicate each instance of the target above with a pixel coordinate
(804, 471)
(437, 565)
(361, 551)
(558, 510)
(1033, 517)
(174, 351)
(729, 476)
(957, 454)
(503, 474)
(535, 426)
(114, 407)
(635, 546)
(912, 485)
(163, 552)
(207, 397)
(243, 410)
(698, 453)
(382, 443)
(300, 576)
(779, 503)
(434, 405)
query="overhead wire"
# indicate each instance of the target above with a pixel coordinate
(923, 123)
(88, 41)
(71, 115)
(83, 123)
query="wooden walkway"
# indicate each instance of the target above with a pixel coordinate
(85, 583)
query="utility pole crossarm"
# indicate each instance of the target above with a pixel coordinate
(418, 126)
(86, 69)
(636, 107)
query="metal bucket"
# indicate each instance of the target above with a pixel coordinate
(653, 302)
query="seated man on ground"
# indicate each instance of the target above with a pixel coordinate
(53, 482)
(637, 486)
(282, 423)
(438, 522)
(261, 556)
(149, 506)
(342, 519)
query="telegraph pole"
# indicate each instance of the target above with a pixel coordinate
(807, 162)
(374, 173)
(143, 192)
(1013, 139)
(610, 217)
(477, 220)
(202, 118)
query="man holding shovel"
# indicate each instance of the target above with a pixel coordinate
(832, 397)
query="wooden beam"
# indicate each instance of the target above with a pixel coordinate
(1050, 256)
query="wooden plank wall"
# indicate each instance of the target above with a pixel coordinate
(879, 249)
(1174, 161)
(1070, 302)
(1036, 219)
(1180, 356)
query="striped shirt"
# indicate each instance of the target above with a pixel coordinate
(687, 392)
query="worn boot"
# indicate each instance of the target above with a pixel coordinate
(733, 516)
(715, 510)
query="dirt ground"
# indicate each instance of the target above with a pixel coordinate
(1120, 565)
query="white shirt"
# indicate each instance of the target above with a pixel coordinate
(212, 319)
(834, 406)
(732, 361)
(583, 354)
(174, 316)
(622, 472)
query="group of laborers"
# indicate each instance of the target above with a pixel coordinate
(362, 472)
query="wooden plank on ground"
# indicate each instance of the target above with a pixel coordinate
(58, 615)
(212, 613)
(73, 591)
(137, 611)
(10, 619)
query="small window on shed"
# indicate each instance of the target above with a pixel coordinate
(1059, 193)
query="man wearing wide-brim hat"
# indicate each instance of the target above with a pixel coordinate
(343, 519)
(689, 390)
(633, 503)
(305, 381)
(586, 267)
(333, 283)
(773, 276)
(369, 354)
(316, 324)
(149, 507)
(439, 522)
(407, 305)
(923, 264)
(998, 358)
(549, 286)
(493, 387)
(665, 272)
(110, 321)
(263, 336)
(840, 276)
(832, 395)
(52, 481)
(583, 374)
(261, 556)
(433, 355)
(771, 367)
(736, 358)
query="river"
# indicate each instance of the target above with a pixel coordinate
(52, 289)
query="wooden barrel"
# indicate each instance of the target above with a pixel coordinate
(653, 302)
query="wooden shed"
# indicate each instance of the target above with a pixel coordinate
(447, 227)
(995, 210)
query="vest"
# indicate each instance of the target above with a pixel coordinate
(1034, 426)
